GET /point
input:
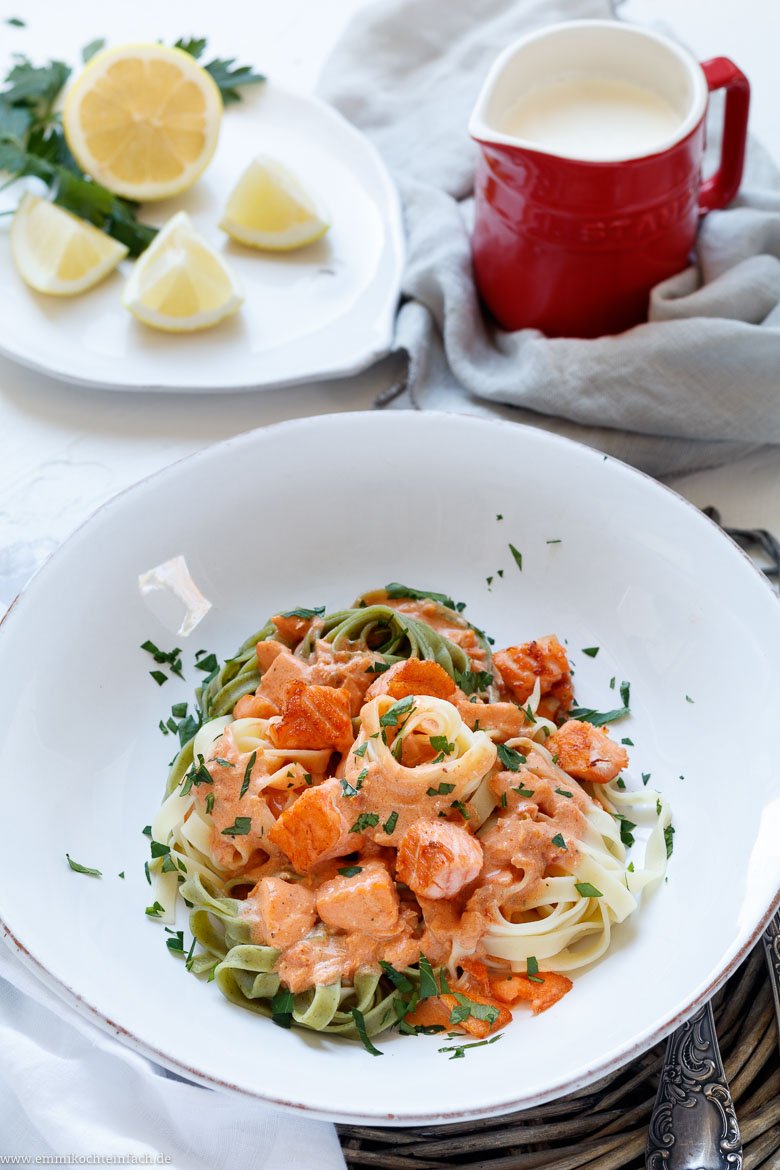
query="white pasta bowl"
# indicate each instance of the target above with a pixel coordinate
(315, 512)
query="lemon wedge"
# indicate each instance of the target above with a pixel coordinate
(180, 283)
(143, 120)
(58, 253)
(269, 208)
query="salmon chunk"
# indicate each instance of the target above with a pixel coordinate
(286, 911)
(437, 859)
(541, 995)
(437, 1010)
(314, 827)
(587, 752)
(413, 677)
(314, 717)
(254, 707)
(280, 674)
(266, 651)
(366, 902)
(291, 629)
(544, 659)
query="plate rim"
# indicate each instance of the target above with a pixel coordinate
(611, 1062)
(363, 358)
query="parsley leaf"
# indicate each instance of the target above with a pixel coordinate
(559, 841)
(365, 821)
(460, 806)
(240, 827)
(395, 590)
(517, 555)
(459, 1050)
(350, 870)
(247, 774)
(669, 840)
(510, 758)
(473, 682)
(362, 1032)
(428, 985)
(591, 651)
(598, 718)
(302, 612)
(389, 825)
(392, 714)
(587, 890)
(397, 978)
(74, 865)
(442, 790)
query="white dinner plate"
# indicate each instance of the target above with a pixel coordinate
(314, 512)
(322, 311)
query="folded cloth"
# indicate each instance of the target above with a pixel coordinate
(696, 386)
(67, 1088)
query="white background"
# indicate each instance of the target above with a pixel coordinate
(63, 450)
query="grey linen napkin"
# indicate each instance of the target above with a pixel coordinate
(697, 386)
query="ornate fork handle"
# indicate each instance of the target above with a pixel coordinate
(772, 951)
(694, 1125)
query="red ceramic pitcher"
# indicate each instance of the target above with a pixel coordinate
(568, 239)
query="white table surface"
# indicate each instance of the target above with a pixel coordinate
(64, 450)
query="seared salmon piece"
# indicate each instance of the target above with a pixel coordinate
(544, 659)
(286, 911)
(314, 717)
(284, 670)
(438, 1008)
(254, 707)
(541, 996)
(292, 630)
(413, 677)
(437, 859)
(314, 828)
(501, 721)
(586, 752)
(266, 652)
(367, 902)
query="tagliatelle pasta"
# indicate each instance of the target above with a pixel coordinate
(380, 824)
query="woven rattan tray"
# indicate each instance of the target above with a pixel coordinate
(604, 1127)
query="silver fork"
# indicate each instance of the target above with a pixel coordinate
(694, 1125)
(772, 952)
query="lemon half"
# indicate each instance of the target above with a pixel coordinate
(180, 283)
(58, 253)
(269, 208)
(143, 120)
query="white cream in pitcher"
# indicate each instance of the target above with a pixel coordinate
(593, 118)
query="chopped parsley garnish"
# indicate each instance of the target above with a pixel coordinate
(532, 965)
(473, 682)
(365, 821)
(553, 541)
(389, 825)
(190, 953)
(630, 867)
(563, 792)
(155, 910)
(361, 751)
(517, 555)
(360, 1025)
(171, 658)
(147, 830)
(620, 782)
(222, 763)
(591, 651)
(122, 874)
(282, 1006)
(307, 779)
(626, 836)
(459, 1050)
(500, 572)
(207, 663)
(625, 694)
(442, 790)
(179, 710)
(510, 758)
(175, 943)
(392, 714)
(350, 870)
(470, 1008)
(74, 865)
(158, 849)
(628, 742)
(159, 677)
(146, 871)
(587, 890)
(428, 985)
(460, 806)
(240, 827)
(598, 718)
(441, 744)
(688, 699)
(499, 516)
(489, 581)
(503, 800)
(395, 590)
(529, 713)
(302, 612)
(522, 791)
(348, 789)
(397, 978)
(378, 668)
(198, 774)
(16, 22)
(669, 839)
(247, 774)
(209, 803)
(559, 842)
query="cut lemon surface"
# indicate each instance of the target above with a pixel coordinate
(270, 208)
(180, 283)
(143, 120)
(58, 253)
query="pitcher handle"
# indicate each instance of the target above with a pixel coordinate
(720, 188)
